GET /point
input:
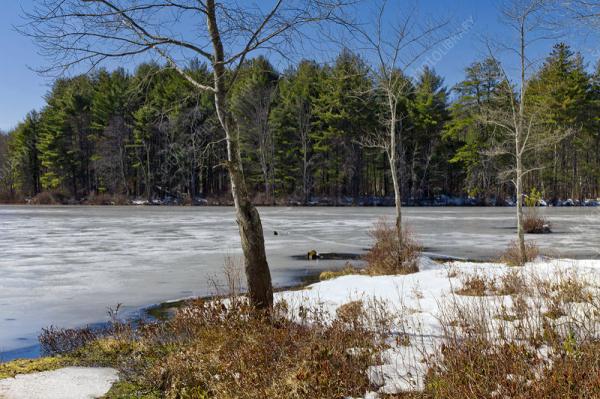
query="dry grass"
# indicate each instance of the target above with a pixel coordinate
(476, 368)
(348, 269)
(512, 283)
(511, 255)
(389, 254)
(476, 285)
(539, 344)
(213, 350)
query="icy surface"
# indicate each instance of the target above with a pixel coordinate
(65, 383)
(66, 265)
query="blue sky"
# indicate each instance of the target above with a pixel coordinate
(22, 90)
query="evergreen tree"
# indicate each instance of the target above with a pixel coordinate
(429, 114)
(466, 133)
(344, 111)
(561, 94)
(293, 119)
(24, 154)
(65, 148)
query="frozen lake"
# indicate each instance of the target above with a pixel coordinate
(66, 265)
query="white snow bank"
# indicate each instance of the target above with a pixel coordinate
(420, 299)
(65, 383)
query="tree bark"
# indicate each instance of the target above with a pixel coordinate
(519, 152)
(392, 152)
(258, 276)
(397, 195)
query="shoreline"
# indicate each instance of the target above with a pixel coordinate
(231, 205)
(161, 311)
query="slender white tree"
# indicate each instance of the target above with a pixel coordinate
(518, 124)
(395, 44)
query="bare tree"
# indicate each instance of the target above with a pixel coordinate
(75, 32)
(587, 11)
(520, 125)
(395, 44)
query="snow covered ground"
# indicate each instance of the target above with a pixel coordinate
(65, 383)
(421, 301)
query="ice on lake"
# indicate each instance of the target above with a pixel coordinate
(65, 265)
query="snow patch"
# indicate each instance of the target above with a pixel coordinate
(65, 383)
(420, 299)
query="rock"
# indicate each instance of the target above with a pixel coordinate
(64, 383)
(312, 255)
(546, 229)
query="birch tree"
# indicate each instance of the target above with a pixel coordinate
(86, 33)
(519, 125)
(395, 44)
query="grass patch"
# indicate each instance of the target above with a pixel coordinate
(512, 257)
(27, 366)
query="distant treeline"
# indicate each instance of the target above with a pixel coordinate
(151, 135)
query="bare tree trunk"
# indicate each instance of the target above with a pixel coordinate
(519, 189)
(426, 170)
(519, 152)
(397, 195)
(304, 173)
(147, 173)
(257, 271)
(392, 152)
(413, 173)
(265, 173)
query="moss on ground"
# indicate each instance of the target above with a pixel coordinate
(27, 366)
(126, 390)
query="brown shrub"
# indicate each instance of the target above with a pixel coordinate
(532, 346)
(535, 224)
(389, 254)
(211, 350)
(512, 283)
(476, 285)
(511, 255)
(565, 288)
(59, 341)
(224, 349)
